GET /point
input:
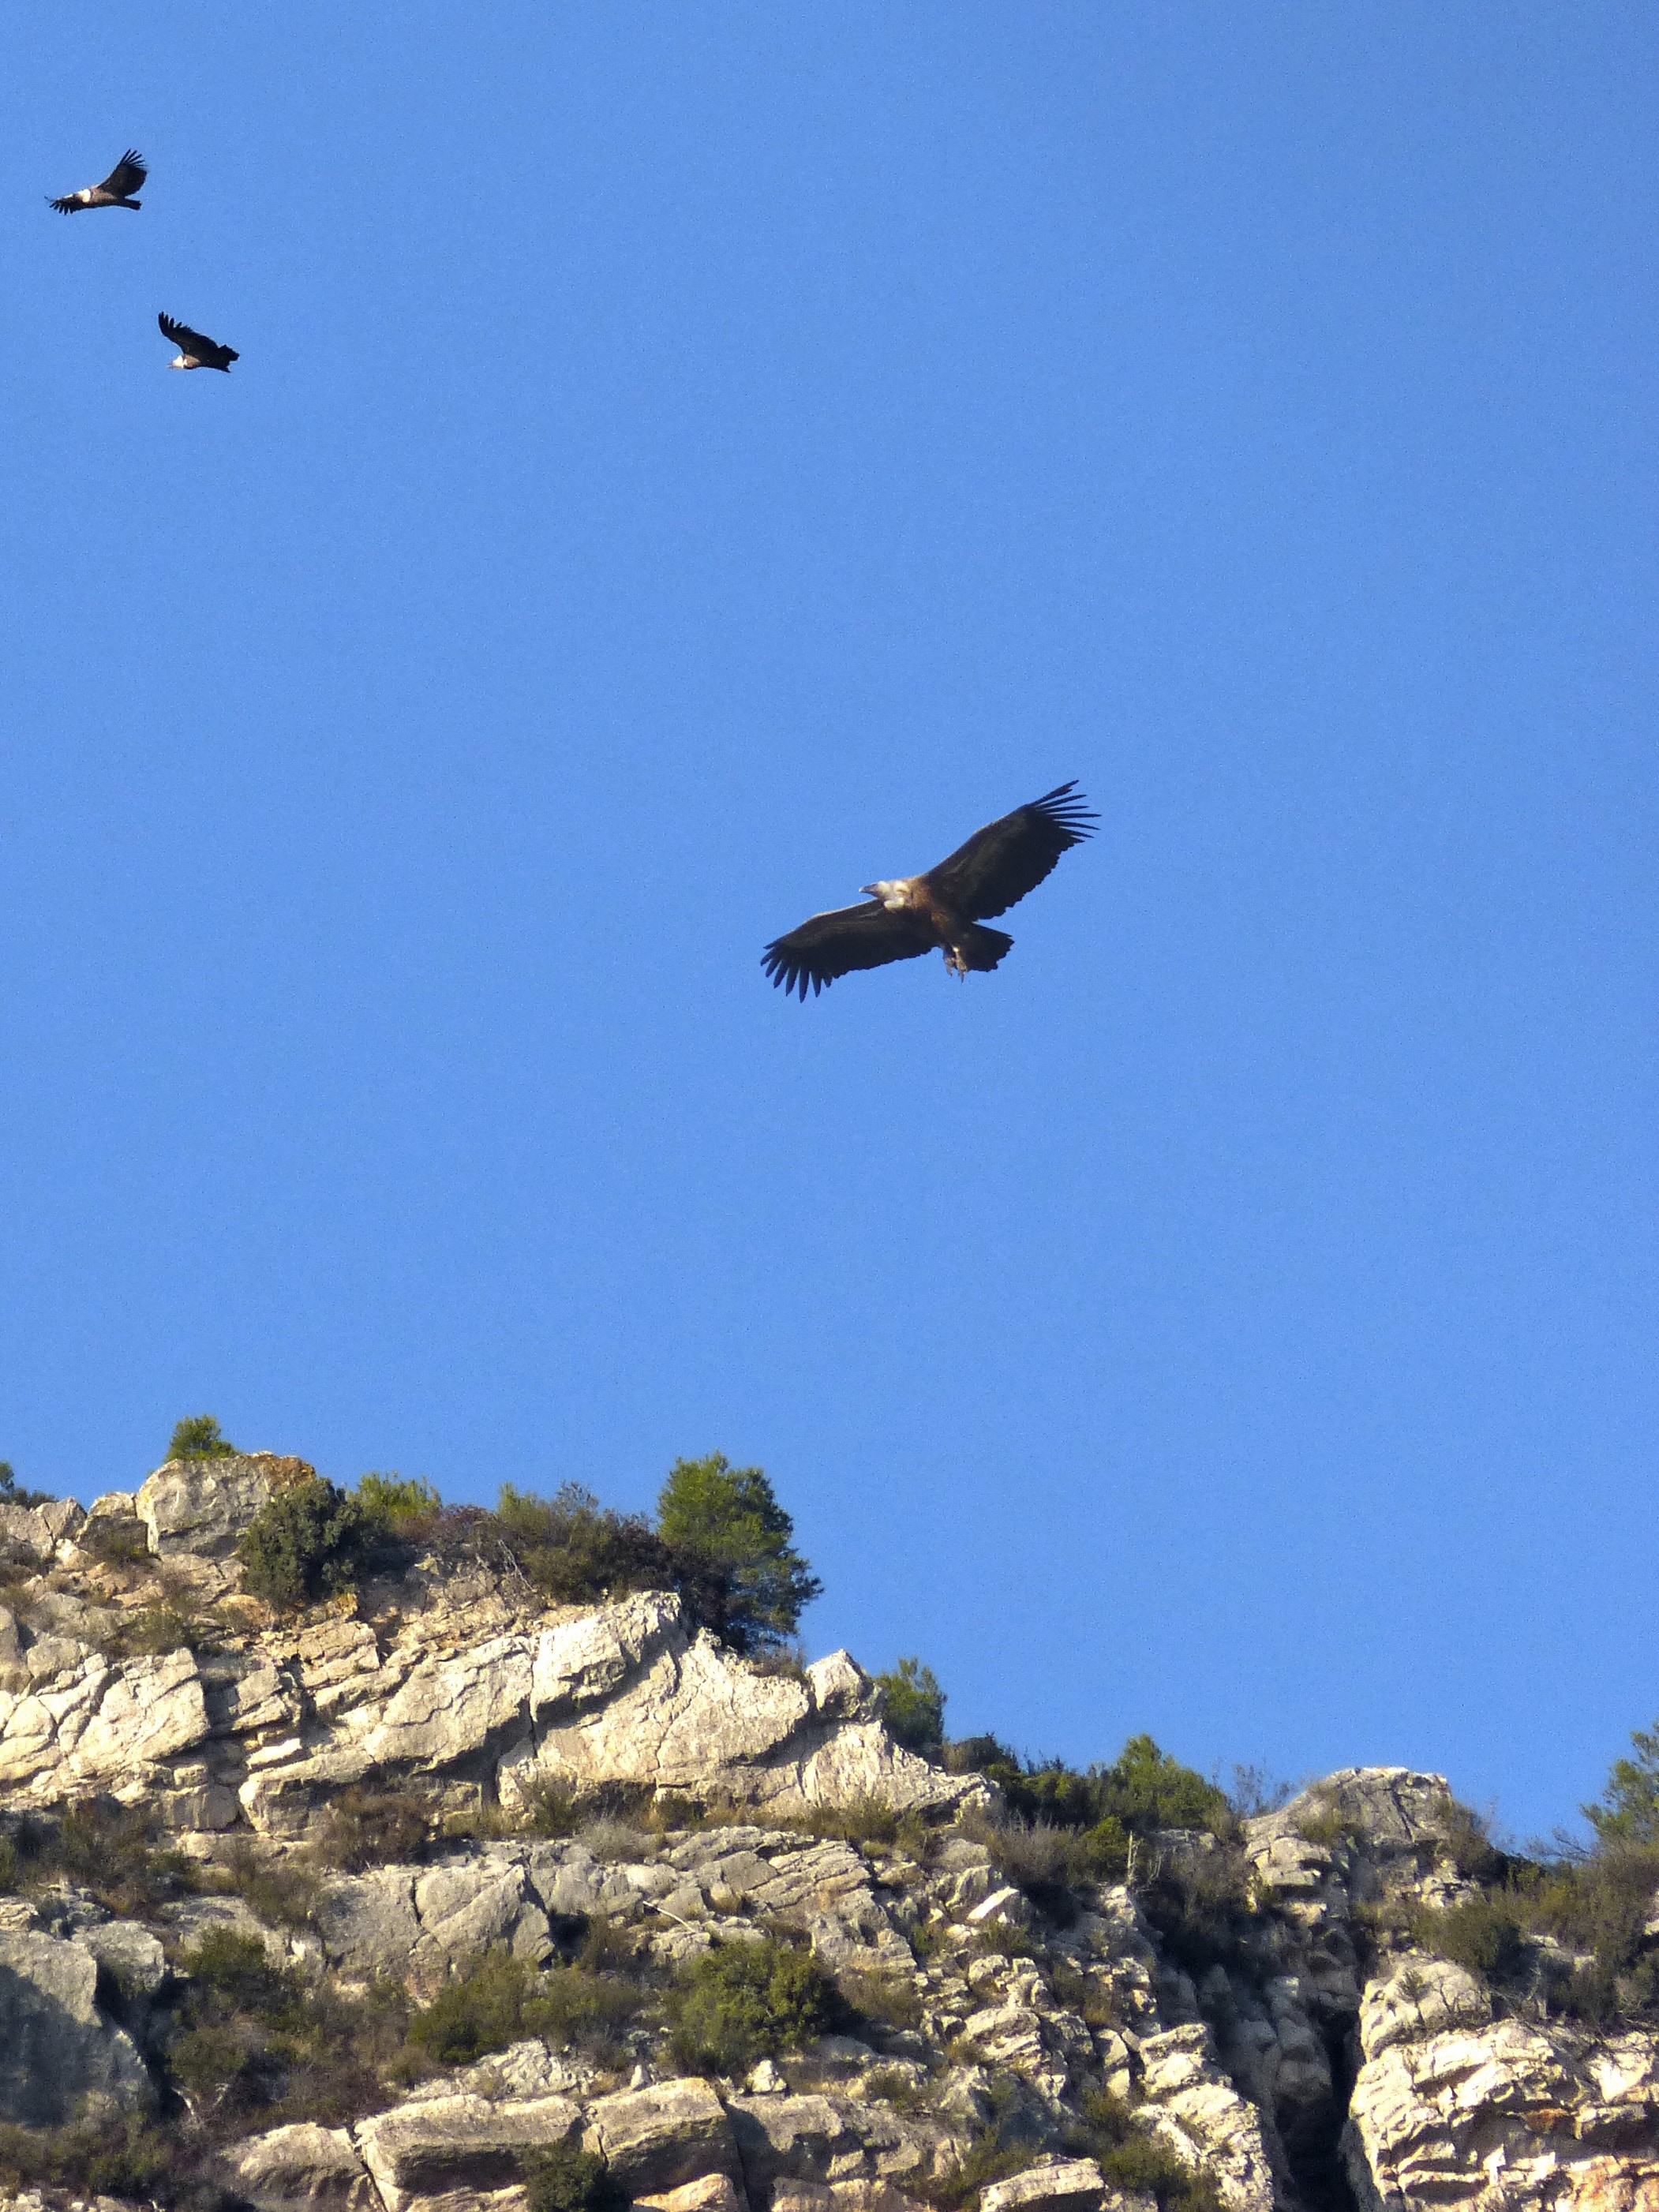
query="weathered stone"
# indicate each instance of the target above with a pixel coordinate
(128, 1954)
(1056, 2185)
(1419, 1997)
(800, 2136)
(152, 1708)
(657, 2138)
(441, 2144)
(1198, 2113)
(303, 2165)
(60, 2059)
(34, 1532)
(199, 1507)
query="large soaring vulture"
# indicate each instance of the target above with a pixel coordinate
(116, 191)
(194, 350)
(911, 915)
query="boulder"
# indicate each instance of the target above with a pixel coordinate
(1073, 2184)
(435, 2145)
(303, 2165)
(197, 1508)
(60, 2059)
(714, 2193)
(660, 2137)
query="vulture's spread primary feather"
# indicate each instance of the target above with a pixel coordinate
(944, 908)
(194, 350)
(116, 191)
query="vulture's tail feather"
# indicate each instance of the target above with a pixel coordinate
(982, 949)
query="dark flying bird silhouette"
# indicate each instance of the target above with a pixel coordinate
(194, 350)
(116, 191)
(909, 915)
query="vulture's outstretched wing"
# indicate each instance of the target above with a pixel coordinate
(122, 180)
(831, 945)
(207, 351)
(125, 179)
(1011, 856)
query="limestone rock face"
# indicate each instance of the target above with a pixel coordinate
(1507, 2115)
(61, 2059)
(473, 1697)
(1195, 2106)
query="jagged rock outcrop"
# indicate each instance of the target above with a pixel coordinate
(473, 1696)
(1452, 2106)
(1287, 2041)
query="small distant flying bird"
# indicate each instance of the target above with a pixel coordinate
(116, 191)
(912, 914)
(194, 350)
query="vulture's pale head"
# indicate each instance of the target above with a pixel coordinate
(891, 893)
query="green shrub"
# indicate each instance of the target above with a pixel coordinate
(739, 2003)
(400, 1503)
(1482, 1933)
(365, 1828)
(987, 2160)
(551, 1809)
(1601, 1905)
(502, 2000)
(892, 2085)
(11, 1494)
(278, 1889)
(891, 2000)
(864, 1820)
(129, 2158)
(199, 1437)
(236, 1966)
(913, 1705)
(1199, 1902)
(573, 1549)
(564, 2178)
(1143, 1790)
(309, 1540)
(739, 1569)
(253, 2036)
(1466, 1841)
(111, 1849)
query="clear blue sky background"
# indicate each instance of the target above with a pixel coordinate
(688, 460)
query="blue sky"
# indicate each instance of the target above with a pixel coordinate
(686, 460)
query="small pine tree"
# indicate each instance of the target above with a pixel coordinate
(744, 1577)
(1627, 1811)
(198, 1437)
(913, 1705)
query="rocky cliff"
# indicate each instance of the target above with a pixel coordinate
(410, 1905)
